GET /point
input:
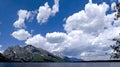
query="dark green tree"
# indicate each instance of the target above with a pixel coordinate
(116, 47)
(117, 10)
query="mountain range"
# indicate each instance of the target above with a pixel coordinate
(30, 53)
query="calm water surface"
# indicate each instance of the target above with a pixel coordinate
(89, 64)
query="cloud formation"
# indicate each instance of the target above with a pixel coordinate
(56, 37)
(37, 40)
(97, 26)
(44, 12)
(119, 1)
(21, 34)
(113, 6)
(47, 44)
(91, 20)
(22, 16)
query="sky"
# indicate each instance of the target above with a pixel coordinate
(74, 28)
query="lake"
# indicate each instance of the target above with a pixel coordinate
(83, 64)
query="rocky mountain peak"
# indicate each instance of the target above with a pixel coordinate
(29, 53)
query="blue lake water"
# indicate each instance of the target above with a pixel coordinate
(83, 64)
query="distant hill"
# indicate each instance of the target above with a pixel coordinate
(30, 53)
(72, 59)
(68, 59)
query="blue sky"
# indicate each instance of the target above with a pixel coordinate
(24, 22)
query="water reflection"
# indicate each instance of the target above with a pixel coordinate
(97, 64)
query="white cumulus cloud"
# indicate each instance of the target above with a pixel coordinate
(42, 42)
(91, 20)
(119, 1)
(56, 37)
(55, 7)
(21, 34)
(22, 16)
(90, 32)
(77, 42)
(36, 40)
(44, 12)
(113, 6)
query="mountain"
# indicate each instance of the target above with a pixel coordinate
(72, 59)
(3, 59)
(30, 53)
(67, 59)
